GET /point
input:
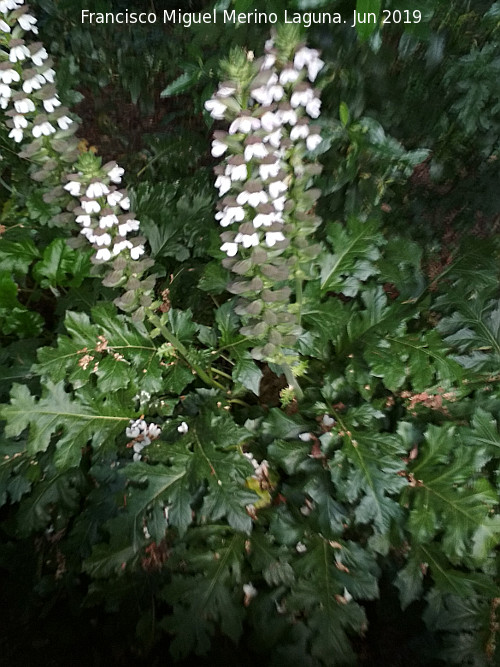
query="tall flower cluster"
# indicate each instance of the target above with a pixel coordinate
(267, 207)
(103, 210)
(28, 94)
(40, 124)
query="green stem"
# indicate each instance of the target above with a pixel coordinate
(7, 187)
(221, 373)
(172, 338)
(298, 294)
(292, 381)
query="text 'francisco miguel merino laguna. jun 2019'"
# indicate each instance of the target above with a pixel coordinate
(187, 19)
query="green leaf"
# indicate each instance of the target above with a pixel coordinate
(204, 598)
(62, 266)
(344, 114)
(111, 559)
(367, 17)
(8, 291)
(486, 538)
(409, 582)
(61, 490)
(366, 471)
(182, 84)
(165, 487)
(247, 373)
(447, 495)
(17, 256)
(229, 500)
(73, 423)
(355, 251)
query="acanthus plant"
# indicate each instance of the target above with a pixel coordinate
(267, 202)
(44, 130)
(151, 468)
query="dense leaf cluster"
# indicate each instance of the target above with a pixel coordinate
(255, 523)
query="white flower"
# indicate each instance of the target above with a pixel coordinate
(279, 204)
(115, 174)
(223, 183)
(114, 198)
(237, 172)
(274, 138)
(287, 116)
(301, 97)
(17, 134)
(108, 221)
(103, 239)
(24, 106)
(64, 122)
(328, 421)
(38, 58)
(43, 129)
(244, 124)
(229, 215)
(299, 132)
(252, 198)
(88, 232)
(7, 5)
(84, 220)
(269, 60)
(97, 190)
(273, 237)
(5, 90)
(313, 107)
(28, 22)
(121, 245)
(49, 75)
(269, 170)
(136, 252)
(305, 437)
(300, 547)
(247, 240)
(104, 254)
(20, 122)
(254, 150)
(128, 226)
(4, 27)
(74, 188)
(226, 91)
(18, 53)
(4, 102)
(266, 219)
(268, 93)
(139, 446)
(288, 75)
(229, 248)
(218, 148)
(9, 75)
(215, 108)
(313, 141)
(33, 84)
(136, 457)
(308, 58)
(250, 592)
(154, 431)
(270, 121)
(183, 428)
(91, 206)
(124, 203)
(276, 188)
(346, 595)
(51, 104)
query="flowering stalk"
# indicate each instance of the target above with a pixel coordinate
(267, 206)
(42, 126)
